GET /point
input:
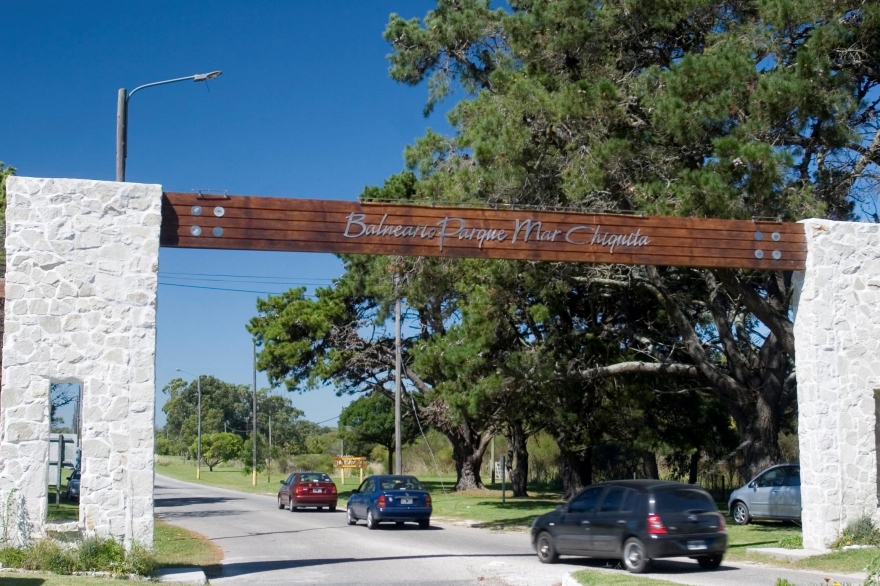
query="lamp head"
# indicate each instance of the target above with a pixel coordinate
(207, 76)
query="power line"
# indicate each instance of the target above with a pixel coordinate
(310, 284)
(227, 289)
(237, 276)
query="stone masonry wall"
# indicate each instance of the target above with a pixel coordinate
(81, 284)
(837, 340)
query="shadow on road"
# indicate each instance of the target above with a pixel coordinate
(240, 568)
(198, 514)
(657, 567)
(192, 500)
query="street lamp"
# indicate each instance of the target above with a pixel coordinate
(122, 116)
(199, 432)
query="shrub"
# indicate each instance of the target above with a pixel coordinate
(92, 554)
(100, 555)
(48, 555)
(12, 557)
(139, 561)
(862, 531)
(783, 582)
(873, 570)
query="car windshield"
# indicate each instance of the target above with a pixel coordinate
(400, 483)
(74, 476)
(317, 477)
(683, 500)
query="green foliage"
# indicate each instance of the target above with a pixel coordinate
(92, 554)
(316, 462)
(783, 582)
(862, 531)
(369, 420)
(227, 408)
(220, 447)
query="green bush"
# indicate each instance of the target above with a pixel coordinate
(316, 462)
(48, 555)
(862, 531)
(873, 570)
(783, 582)
(12, 557)
(100, 555)
(92, 554)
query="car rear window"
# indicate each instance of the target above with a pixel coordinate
(314, 478)
(400, 483)
(683, 500)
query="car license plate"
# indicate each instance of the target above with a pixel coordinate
(318, 490)
(406, 501)
(696, 545)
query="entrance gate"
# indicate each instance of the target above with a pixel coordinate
(81, 294)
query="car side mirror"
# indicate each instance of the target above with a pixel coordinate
(753, 484)
(282, 482)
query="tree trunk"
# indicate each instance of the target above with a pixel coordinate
(576, 470)
(467, 466)
(693, 468)
(518, 455)
(649, 465)
(758, 427)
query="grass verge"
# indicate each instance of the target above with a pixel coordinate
(42, 579)
(177, 547)
(597, 578)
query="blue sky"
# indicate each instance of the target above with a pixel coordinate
(305, 108)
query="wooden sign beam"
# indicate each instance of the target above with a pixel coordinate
(306, 225)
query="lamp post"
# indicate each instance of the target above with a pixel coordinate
(122, 100)
(199, 429)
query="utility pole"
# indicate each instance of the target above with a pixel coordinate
(269, 456)
(199, 432)
(492, 459)
(254, 472)
(398, 464)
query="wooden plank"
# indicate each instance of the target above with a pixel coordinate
(255, 223)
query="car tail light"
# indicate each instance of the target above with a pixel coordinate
(721, 525)
(299, 490)
(656, 526)
(333, 488)
(381, 502)
(428, 501)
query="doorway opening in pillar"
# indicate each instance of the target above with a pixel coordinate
(65, 450)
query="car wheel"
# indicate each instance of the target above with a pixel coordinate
(635, 557)
(280, 504)
(290, 506)
(741, 514)
(709, 562)
(372, 523)
(332, 508)
(352, 520)
(546, 547)
(424, 523)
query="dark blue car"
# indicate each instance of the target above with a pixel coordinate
(390, 498)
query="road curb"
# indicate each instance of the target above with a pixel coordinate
(191, 576)
(568, 580)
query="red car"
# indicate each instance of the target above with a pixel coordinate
(307, 489)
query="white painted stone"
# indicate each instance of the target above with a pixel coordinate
(82, 263)
(837, 327)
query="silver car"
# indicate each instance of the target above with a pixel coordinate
(775, 493)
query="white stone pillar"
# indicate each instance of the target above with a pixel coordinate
(81, 282)
(837, 340)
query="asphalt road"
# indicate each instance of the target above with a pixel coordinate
(267, 546)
